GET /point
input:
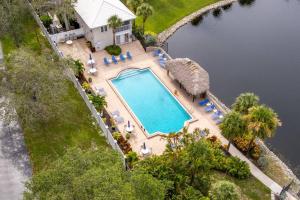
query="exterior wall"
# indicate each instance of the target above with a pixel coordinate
(60, 37)
(1, 54)
(86, 30)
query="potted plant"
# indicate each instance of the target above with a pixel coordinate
(128, 135)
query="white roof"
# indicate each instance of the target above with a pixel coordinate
(95, 13)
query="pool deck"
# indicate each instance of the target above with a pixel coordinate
(141, 59)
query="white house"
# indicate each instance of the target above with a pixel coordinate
(92, 15)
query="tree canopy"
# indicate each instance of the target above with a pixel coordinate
(224, 190)
(245, 101)
(94, 174)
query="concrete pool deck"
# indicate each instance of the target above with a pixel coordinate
(141, 59)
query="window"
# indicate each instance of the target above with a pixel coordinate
(103, 28)
(126, 23)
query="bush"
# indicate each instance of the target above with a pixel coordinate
(86, 86)
(131, 158)
(238, 168)
(224, 190)
(242, 143)
(47, 21)
(113, 50)
(150, 39)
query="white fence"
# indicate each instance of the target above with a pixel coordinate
(68, 35)
(95, 114)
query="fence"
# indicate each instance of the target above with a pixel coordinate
(70, 74)
(60, 37)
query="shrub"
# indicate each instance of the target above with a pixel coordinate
(86, 86)
(113, 50)
(131, 158)
(150, 39)
(224, 190)
(47, 21)
(238, 168)
(117, 135)
(98, 101)
(128, 135)
(242, 143)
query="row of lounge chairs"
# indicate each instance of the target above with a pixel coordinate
(115, 60)
(217, 115)
(162, 58)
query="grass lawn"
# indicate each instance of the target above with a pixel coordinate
(168, 12)
(46, 142)
(251, 188)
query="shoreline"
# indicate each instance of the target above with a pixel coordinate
(163, 36)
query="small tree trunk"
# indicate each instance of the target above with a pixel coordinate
(67, 24)
(228, 146)
(250, 144)
(114, 37)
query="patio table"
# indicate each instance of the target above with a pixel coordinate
(145, 151)
(129, 129)
(93, 70)
(69, 42)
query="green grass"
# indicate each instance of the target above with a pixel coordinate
(168, 12)
(251, 188)
(46, 142)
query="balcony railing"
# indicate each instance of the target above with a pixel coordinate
(123, 28)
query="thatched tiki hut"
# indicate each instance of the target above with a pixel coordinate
(190, 76)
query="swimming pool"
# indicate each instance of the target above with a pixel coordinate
(150, 101)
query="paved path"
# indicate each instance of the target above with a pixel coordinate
(15, 166)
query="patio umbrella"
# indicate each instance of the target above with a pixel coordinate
(144, 145)
(91, 61)
(128, 124)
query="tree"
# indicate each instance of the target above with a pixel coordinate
(98, 101)
(78, 68)
(145, 10)
(35, 85)
(134, 4)
(92, 174)
(12, 13)
(244, 102)
(224, 190)
(233, 126)
(262, 122)
(114, 22)
(66, 9)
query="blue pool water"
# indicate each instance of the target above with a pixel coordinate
(150, 101)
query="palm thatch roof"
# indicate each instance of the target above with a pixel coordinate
(189, 74)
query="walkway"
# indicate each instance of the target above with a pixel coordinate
(15, 167)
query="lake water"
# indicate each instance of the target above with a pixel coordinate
(252, 48)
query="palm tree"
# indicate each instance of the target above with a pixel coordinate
(66, 9)
(114, 22)
(134, 4)
(244, 102)
(233, 126)
(145, 10)
(262, 122)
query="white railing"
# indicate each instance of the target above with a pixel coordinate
(70, 74)
(123, 28)
(67, 35)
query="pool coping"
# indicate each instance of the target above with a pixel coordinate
(157, 133)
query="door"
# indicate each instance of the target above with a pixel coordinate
(118, 39)
(126, 37)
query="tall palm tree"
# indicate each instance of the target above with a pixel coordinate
(262, 122)
(114, 22)
(145, 10)
(233, 126)
(66, 9)
(134, 4)
(244, 102)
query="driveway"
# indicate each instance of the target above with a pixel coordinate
(15, 168)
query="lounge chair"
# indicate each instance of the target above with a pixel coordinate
(114, 59)
(210, 108)
(216, 115)
(100, 91)
(162, 63)
(122, 57)
(119, 119)
(128, 55)
(203, 102)
(219, 121)
(116, 113)
(106, 61)
(156, 52)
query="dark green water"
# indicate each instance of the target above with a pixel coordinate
(252, 48)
